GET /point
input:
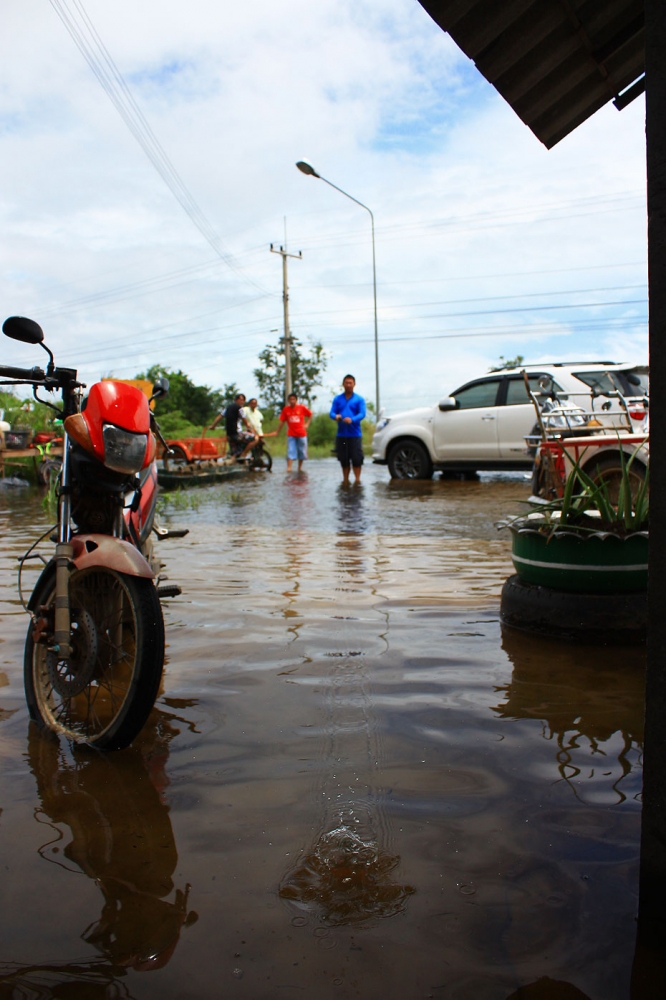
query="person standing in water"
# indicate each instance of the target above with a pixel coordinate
(348, 410)
(297, 418)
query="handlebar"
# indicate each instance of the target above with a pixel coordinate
(25, 374)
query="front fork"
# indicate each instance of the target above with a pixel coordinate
(63, 559)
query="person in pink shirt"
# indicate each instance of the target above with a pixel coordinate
(297, 418)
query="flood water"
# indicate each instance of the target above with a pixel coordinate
(353, 784)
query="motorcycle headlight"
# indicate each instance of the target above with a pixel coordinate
(382, 424)
(123, 451)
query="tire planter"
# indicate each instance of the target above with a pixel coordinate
(574, 617)
(601, 563)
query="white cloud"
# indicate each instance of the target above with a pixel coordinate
(468, 205)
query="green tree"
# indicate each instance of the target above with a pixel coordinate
(25, 412)
(322, 430)
(507, 363)
(196, 404)
(228, 393)
(307, 372)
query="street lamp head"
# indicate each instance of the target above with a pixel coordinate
(307, 168)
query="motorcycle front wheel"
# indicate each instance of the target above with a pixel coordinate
(261, 459)
(103, 694)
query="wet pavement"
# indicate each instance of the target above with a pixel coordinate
(353, 784)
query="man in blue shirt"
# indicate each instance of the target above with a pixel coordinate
(348, 409)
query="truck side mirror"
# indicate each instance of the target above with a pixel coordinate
(448, 403)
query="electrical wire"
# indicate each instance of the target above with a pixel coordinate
(130, 290)
(210, 336)
(247, 350)
(477, 277)
(92, 48)
(482, 298)
(110, 348)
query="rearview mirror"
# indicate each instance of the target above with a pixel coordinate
(23, 329)
(160, 388)
(448, 403)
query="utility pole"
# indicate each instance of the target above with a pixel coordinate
(285, 302)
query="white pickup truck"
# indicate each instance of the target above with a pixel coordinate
(482, 426)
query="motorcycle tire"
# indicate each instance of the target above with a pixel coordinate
(261, 460)
(103, 695)
(177, 458)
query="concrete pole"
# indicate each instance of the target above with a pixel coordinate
(287, 335)
(652, 906)
(285, 307)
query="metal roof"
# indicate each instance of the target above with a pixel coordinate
(555, 62)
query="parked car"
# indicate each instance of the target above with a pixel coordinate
(482, 425)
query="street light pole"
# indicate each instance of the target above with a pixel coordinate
(307, 168)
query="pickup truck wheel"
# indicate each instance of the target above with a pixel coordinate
(409, 460)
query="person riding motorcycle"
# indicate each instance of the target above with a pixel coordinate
(240, 442)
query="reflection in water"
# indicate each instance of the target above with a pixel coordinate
(121, 838)
(4, 712)
(345, 877)
(95, 980)
(342, 768)
(352, 515)
(579, 698)
(548, 989)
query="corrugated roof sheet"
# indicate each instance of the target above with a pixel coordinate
(556, 62)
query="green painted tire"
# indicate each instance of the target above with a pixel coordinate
(594, 564)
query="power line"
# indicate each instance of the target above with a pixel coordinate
(132, 290)
(616, 325)
(93, 50)
(474, 222)
(478, 277)
(507, 332)
(484, 298)
(109, 347)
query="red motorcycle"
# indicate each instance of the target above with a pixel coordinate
(94, 652)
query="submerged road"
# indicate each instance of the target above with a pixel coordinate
(353, 784)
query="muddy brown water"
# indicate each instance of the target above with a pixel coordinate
(353, 784)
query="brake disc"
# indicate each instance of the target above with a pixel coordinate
(70, 677)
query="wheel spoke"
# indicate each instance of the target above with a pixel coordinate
(82, 697)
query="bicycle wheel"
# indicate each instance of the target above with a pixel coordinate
(103, 694)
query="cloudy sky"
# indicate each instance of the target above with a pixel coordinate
(487, 243)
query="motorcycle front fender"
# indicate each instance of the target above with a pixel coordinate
(94, 550)
(113, 553)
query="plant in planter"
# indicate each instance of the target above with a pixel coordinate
(582, 542)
